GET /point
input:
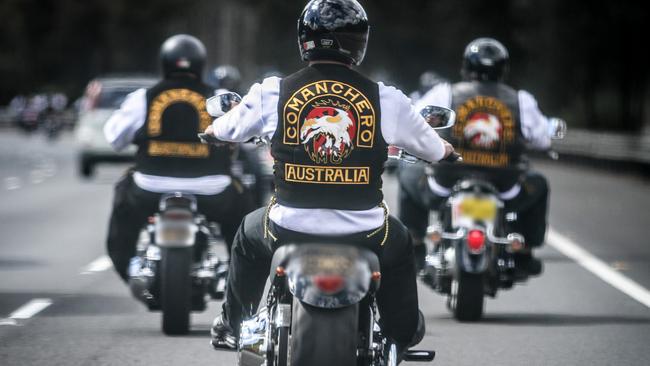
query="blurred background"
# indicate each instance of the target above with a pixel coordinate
(583, 61)
(66, 65)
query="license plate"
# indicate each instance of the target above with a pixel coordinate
(478, 209)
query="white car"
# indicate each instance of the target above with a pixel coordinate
(102, 97)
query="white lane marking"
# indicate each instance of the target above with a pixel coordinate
(98, 265)
(36, 176)
(599, 268)
(7, 321)
(12, 183)
(30, 309)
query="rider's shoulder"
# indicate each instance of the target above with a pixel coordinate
(269, 84)
(271, 80)
(525, 97)
(389, 92)
(136, 97)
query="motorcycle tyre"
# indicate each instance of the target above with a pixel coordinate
(282, 357)
(469, 297)
(324, 337)
(176, 290)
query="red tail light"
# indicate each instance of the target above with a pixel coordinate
(329, 284)
(475, 241)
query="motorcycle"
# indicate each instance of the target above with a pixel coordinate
(320, 306)
(51, 123)
(177, 263)
(471, 246)
(320, 310)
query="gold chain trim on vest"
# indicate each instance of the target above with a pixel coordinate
(385, 225)
(272, 202)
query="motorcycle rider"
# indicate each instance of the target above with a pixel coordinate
(163, 122)
(225, 78)
(247, 165)
(495, 123)
(329, 128)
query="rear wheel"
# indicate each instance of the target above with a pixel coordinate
(467, 296)
(323, 337)
(283, 347)
(176, 290)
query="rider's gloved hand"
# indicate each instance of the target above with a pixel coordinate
(448, 148)
(451, 156)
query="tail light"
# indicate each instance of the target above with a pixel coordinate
(329, 284)
(475, 241)
(517, 242)
(434, 233)
(330, 276)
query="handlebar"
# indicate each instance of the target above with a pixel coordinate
(402, 155)
(454, 157)
(209, 139)
(212, 140)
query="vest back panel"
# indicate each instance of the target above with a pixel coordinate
(487, 133)
(328, 148)
(167, 143)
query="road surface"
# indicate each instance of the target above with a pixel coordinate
(62, 304)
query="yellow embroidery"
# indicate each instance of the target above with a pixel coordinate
(326, 174)
(334, 93)
(178, 149)
(172, 96)
(493, 156)
(484, 158)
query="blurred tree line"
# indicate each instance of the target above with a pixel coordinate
(583, 60)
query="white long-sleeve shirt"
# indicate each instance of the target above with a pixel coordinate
(534, 125)
(120, 130)
(401, 125)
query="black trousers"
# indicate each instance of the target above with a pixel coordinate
(250, 263)
(531, 204)
(132, 206)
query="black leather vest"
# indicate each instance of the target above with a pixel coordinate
(487, 133)
(167, 143)
(328, 148)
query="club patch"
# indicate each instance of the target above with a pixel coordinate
(155, 126)
(330, 119)
(484, 128)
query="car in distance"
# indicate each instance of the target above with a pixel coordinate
(102, 97)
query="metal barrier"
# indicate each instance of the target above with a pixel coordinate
(606, 145)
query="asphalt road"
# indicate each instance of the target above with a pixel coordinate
(75, 310)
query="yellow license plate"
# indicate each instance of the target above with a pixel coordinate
(478, 209)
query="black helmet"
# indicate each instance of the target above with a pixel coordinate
(225, 77)
(333, 30)
(485, 59)
(182, 53)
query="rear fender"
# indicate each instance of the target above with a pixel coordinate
(353, 267)
(469, 262)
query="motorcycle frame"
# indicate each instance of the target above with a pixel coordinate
(495, 259)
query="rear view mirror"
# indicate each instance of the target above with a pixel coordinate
(557, 128)
(438, 117)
